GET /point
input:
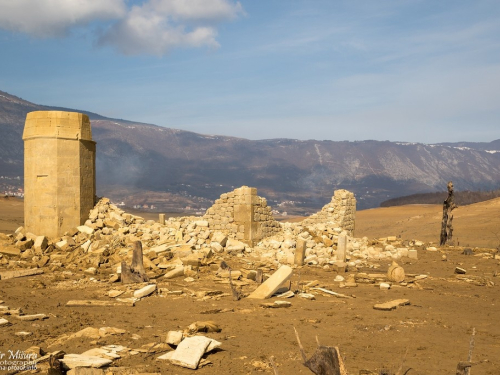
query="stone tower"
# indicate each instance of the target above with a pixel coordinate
(59, 171)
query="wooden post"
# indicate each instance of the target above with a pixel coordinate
(447, 221)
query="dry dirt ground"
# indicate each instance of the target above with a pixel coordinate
(475, 225)
(434, 329)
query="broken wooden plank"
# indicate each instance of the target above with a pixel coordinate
(391, 305)
(94, 303)
(4, 275)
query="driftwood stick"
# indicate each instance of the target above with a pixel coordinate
(462, 367)
(236, 295)
(302, 352)
(400, 369)
(343, 370)
(471, 348)
(275, 369)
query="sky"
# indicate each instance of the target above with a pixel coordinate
(400, 70)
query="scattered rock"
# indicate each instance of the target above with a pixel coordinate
(391, 305)
(146, 291)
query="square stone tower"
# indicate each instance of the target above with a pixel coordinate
(59, 171)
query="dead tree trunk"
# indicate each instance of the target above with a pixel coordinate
(447, 222)
(134, 273)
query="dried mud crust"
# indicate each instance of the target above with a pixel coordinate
(435, 327)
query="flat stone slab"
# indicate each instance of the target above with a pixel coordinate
(271, 285)
(77, 360)
(146, 291)
(30, 318)
(13, 251)
(176, 272)
(91, 303)
(189, 352)
(4, 275)
(391, 305)
(276, 305)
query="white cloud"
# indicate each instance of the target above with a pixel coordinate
(202, 10)
(49, 18)
(151, 27)
(157, 26)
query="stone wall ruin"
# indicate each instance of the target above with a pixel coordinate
(341, 210)
(242, 214)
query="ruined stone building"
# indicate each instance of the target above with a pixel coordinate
(59, 171)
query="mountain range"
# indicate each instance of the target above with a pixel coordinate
(170, 168)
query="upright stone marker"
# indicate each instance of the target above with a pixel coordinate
(59, 171)
(341, 248)
(162, 219)
(300, 252)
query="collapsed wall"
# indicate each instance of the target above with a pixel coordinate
(242, 214)
(341, 211)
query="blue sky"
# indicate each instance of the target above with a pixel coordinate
(418, 71)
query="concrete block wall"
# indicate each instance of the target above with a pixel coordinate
(341, 212)
(243, 215)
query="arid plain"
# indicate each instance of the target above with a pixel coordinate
(434, 329)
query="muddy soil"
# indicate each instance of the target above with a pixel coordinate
(434, 329)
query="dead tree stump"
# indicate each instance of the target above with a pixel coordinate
(447, 222)
(134, 273)
(326, 360)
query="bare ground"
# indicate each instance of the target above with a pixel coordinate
(435, 328)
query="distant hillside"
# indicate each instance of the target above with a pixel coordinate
(145, 161)
(462, 198)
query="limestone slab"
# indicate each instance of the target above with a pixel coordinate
(391, 305)
(176, 272)
(77, 360)
(4, 275)
(146, 291)
(189, 352)
(271, 285)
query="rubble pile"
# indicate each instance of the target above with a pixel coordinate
(173, 248)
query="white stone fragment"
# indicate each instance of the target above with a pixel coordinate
(77, 360)
(85, 229)
(146, 291)
(190, 351)
(174, 337)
